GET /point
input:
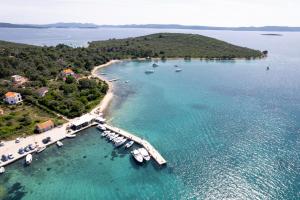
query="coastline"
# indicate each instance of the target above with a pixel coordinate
(103, 105)
(57, 133)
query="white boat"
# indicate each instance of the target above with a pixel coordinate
(120, 142)
(1, 143)
(70, 135)
(129, 144)
(118, 139)
(100, 120)
(40, 149)
(178, 70)
(144, 153)
(149, 71)
(59, 144)
(113, 137)
(101, 127)
(2, 170)
(28, 159)
(137, 156)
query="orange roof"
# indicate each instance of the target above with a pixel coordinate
(66, 71)
(45, 124)
(10, 94)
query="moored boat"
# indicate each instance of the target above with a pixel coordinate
(101, 127)
(120, 142)
(59, 144)
(144, 153)
(28, 159)
(2, 170)
(70, 135)
(137, 155)
(129, 144)
(149, 71)
(40, 149)
(178, 70)
(155, 65)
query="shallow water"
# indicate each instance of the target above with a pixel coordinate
(227, 129)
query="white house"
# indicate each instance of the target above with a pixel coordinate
(13, 98)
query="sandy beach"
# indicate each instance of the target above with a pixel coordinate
(58, 133)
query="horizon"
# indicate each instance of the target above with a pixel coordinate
(218, 13)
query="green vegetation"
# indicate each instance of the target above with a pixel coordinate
(20, 120)
(72, 96)
(73, 99)
(173, 45)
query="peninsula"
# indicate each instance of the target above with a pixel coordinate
(38, 84)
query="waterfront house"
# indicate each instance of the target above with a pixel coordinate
(82, 122)
(42, 91)
(18, 80)
(44, 126)
(13, 98)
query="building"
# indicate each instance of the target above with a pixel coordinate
(82, 122)
(68, 72)
(13, 98)
(18, 80)
(42, 91)
(45, 126)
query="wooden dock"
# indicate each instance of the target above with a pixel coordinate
(152, 151)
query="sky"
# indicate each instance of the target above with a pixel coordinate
(187, 12)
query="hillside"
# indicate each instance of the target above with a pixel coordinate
(170, 45)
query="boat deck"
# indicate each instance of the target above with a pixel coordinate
(152, 151)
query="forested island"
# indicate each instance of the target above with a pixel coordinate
(56, 81)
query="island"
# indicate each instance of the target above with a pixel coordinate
(46, 86)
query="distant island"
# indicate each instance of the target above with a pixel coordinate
(272, 34)
(154, 26)
(42, 83)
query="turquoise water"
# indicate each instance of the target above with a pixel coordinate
(229, 130)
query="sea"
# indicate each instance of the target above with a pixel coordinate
(228, 129)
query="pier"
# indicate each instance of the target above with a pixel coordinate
(152, 151)
(60, 133)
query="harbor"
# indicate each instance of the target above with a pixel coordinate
(39, 142)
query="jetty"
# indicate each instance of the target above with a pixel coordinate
(152, 151)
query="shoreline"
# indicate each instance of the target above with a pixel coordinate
(105, 102)
(58, 133)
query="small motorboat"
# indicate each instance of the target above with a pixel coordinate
(120, 142)
(155, 65)
(2, 170)
(70, 135)
(101, 127)
(144, 153)
(28, 159)
(178, 70)
(137, 156)
(129, 144)
(40, 149)
(176, 66)
(149, 71)
(17, 140)
(59, 144)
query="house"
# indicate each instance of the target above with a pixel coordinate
(82, 122)
(13, 98)
(45, 126)
(68, 72)
(18, 80)
(42, 91)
